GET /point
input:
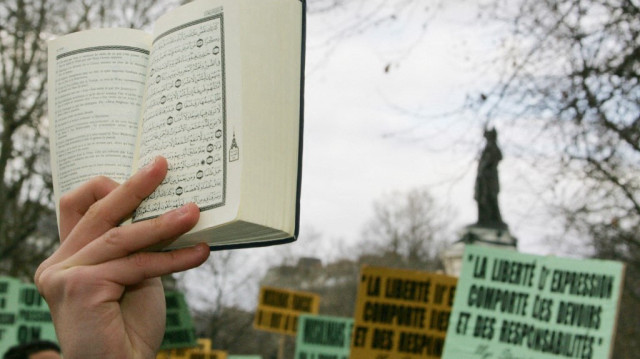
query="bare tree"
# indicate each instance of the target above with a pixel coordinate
(346, 19)
(572, 69)
(218, 292)
(411, 226)
(406, 231)
(27, 221)
(25, 189)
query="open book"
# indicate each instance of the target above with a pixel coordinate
(217, 89)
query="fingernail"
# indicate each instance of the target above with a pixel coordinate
(150, 165)
(201, 247)
(184, 209)
(181, 211)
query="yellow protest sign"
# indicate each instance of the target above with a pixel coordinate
(278, 309)
(401, 314)
(204, 344)
(201, 351)
(211, 354)
(180, 353)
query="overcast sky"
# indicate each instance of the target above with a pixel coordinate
(371, 132)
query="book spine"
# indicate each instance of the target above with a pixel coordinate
(303, 38)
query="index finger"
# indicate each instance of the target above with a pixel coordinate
(109, 211)
(75, 203)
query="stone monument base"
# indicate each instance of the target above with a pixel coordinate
(493, 237)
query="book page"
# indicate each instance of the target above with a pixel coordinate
(96, 82)
(187, 115)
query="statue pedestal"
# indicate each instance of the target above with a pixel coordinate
(493, 237)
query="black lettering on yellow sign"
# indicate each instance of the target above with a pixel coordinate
(407, 289)
(360, 336)
(372, 285)
(439, 292)
(276, 321)
(382, 339)
(385, 313)
(180, 352)
(302, 303)
(439, 320)
(290, 323)
(203, 356)
(275, 298)
(420, 344)
(452, 295)
(402, 314)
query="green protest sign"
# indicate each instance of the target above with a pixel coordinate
(180, 331)
(515, 305)
(324, 337)
(34, 319)
(24, 315)
(9, 289)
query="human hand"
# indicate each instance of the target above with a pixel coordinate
(105, 295)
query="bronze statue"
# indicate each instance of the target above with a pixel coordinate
(487, 184)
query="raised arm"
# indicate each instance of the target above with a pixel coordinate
(104, 293)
